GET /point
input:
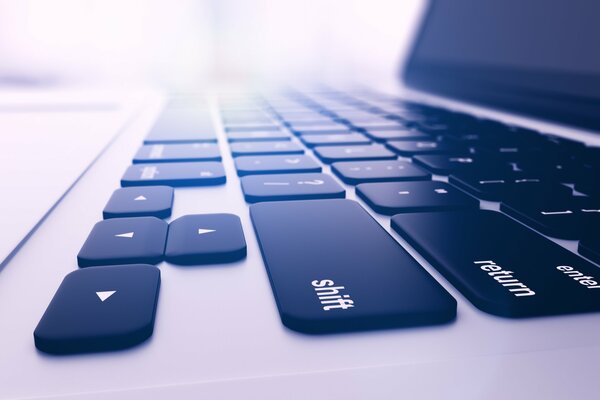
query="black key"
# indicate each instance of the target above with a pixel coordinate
(405, 197)
(265, 148)
(205, 239)
(328, 129)
(332, 268)
(357, 172)
(589, 184)
(335, 140)
(589, 246)
(445, 164)
(154, 153)
(185, 124)
(396, 134)
(290, 187)
(409, 148)
(147, 201)
(138, 240)
(260, 136)
(276, 165)
(569, 217)
(330, 154)
(500, 186)
(175, 174)
(100, 309)
(502, 267)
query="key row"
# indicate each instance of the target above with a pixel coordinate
(188, 240)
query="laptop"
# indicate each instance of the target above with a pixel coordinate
(322, 241)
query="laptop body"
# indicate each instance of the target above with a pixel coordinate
(218, 333)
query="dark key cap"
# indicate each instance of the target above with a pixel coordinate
(330, 154)
(322, 129)
(589, 184)
(499, 186)
(124, 241)
(100, 309)
(395, 134)
(205, 239)
(276, 165)
(266, 136)
(185, 124)
(357, 172)
(502, 267)
(290, 187)
(569, 217)
(409, 148)
(175, 174)
(147, 201)
(334, 140)
(445, 164)
(333, 268)
(154, 153)
(589, 246)
(265, 148)
(405, 197)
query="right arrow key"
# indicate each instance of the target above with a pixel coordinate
(205, 239)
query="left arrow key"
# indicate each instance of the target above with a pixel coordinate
(100, 309)
(124, 241)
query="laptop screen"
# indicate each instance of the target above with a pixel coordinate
(537, 56)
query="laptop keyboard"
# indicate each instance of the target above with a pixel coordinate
(332, 267)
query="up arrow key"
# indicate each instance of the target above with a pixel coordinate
(203, 231)
(125, 235)
(105, 295)
(140, 198)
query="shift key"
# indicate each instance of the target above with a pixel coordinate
(333, 268)
(501, 266)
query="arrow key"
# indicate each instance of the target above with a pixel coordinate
(205, 239)
(124, 241)
(100, 309)
(155, 201)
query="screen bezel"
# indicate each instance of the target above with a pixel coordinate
(512, 89)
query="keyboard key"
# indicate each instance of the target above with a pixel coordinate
(330, 154)
(205, 239)
(328, 129)
(175, 174)
(333, 268)
(264, 148)
(396, 134)
(276, 165)
(290, 187)
(334, 140)
(252, 127)
(155, 153)
(501, 185)
(183, 124)
(447, 164)
(589, 246)
(570, 217)
(138, 240)
(147, 201)
(266, 136)
(357, 172)
(409, 148)
(502, 267)
(100, 309)
(405, 197)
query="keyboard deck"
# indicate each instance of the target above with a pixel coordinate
(350, 196)
(332, 268)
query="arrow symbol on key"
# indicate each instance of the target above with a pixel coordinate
(105, 294)
(140, 198)
(125, 235)
(203, 231)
